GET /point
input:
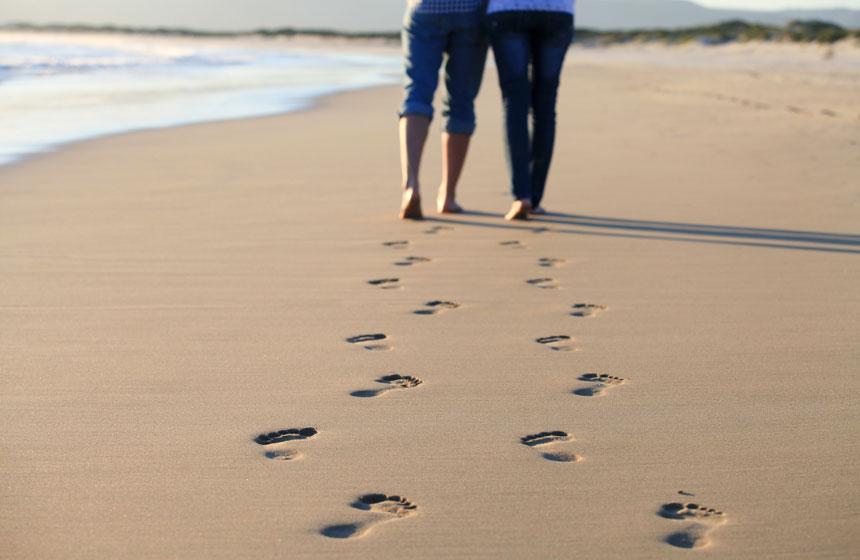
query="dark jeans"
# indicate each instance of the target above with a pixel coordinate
(427, 38)
(524, 40)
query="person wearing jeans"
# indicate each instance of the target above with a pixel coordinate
(524, 35)
(434, 30)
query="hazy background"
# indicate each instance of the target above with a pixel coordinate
(384, 15)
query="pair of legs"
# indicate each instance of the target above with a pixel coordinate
(413, 135)
(529, 48)
(428, 39)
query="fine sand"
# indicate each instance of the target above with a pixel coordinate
(218, 341)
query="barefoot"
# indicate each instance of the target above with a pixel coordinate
(537, 210)
(410, 208)
(448, 207)
(445, 203)
(519, 210)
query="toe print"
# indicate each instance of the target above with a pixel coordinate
(586, 309)
(397, 244)
(701, 521)
(386, 283)
(544, 439)
(436, 229)
(409, 261)
(599, 384)
(370, 341)
(392, 382)
(557, 343)
(383, 508)
(514, 244)
(433, 307)
(545, 283)
(275, 439)
(548, 262)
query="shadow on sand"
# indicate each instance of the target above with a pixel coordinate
(666, 231)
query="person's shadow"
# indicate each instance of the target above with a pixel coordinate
(557, 222)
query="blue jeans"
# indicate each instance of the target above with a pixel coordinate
(523, 39)
(427, 38)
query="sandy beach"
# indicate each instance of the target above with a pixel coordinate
(682, 328)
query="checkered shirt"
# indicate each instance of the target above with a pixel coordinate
(448, 6)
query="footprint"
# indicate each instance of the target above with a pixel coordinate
(601, 383)
(512, 244)
(436, 306)
(386, 283)
(545, 283)
(385, 508)
(542, 229)
(551, 438)
(362, 338)
(394, 381)
(550, 261)
(553, 343)
(436, 229)
(396, 244)
(695, 534)
(409, 261)
(282, 436)
(586, 309)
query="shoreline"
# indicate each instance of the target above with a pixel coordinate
(763, 57)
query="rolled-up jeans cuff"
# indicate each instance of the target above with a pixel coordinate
(459, 126)
(415, 109)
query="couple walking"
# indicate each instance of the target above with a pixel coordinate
(523, 34)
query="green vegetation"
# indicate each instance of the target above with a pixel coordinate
(178, 32)
(721, 33)
(718, 34)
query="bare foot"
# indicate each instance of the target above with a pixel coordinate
(445, 203)
(519, 210)
(410, 208)
(448, 207)
(538, 210)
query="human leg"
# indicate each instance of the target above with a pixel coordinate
(423, 47)
(550, 43)
(510, 39)
(467, 53)
(413, 134)
(454, 148)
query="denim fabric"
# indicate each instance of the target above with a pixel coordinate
(427, 39)
(522, 40)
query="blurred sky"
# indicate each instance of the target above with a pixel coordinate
(779, 4)
(240, 15)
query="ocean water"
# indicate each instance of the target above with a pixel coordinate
(59, 88)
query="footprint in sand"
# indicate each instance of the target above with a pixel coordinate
(548, 262)
(397, 244)
(551, 438)
(557, 343)
(409, 261)
(283, 436)
(386, 283)
(394, 381)
(600, 384)
(545, 283)
(586, 309)
(512, 244)
(702, 520)
(385, 508)
(364, 338)
(436, 306)
(436, 229)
